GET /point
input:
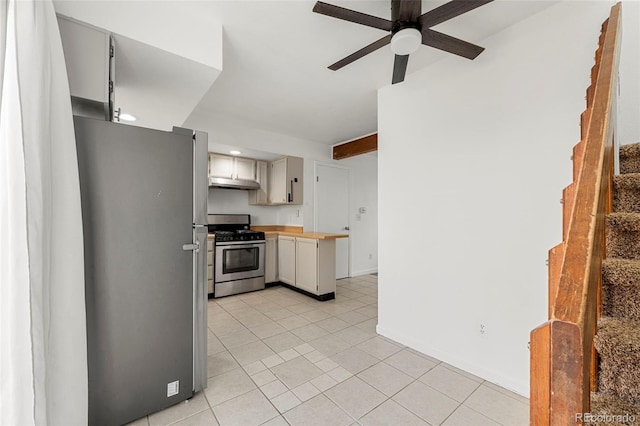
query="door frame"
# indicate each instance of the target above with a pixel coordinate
(316, 164)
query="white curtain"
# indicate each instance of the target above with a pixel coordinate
(43, 360)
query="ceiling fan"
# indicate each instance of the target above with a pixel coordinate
(408, 29)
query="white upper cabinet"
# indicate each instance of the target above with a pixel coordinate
(260, 196)
(285, 181)
(225, 166)
(278, 180)
(220, 166)
(245, 168)
(88, 55)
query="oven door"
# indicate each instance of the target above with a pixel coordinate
(239, 260)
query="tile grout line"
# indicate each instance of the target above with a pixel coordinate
(210, 407)
(249, 308)
(269, 369)
(465, 399)
(191, 415)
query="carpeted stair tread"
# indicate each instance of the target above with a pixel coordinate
(623, 235)
(624, 221)
(630, 158)
(613, 411)
(626, 193)
(618, 344)
(621, 288)
(617, 340)
(624, 272)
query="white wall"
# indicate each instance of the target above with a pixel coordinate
(168, 27)
(223, 200)
(629, 102)
(226, 131)
(473, 157)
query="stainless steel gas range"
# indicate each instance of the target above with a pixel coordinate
(238, 264)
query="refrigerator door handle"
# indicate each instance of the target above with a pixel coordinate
(200, 300)
(195, 247)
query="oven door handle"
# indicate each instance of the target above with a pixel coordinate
(241, 243)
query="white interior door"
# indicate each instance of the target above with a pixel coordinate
(332, 210)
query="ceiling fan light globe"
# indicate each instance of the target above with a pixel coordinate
(406, 41)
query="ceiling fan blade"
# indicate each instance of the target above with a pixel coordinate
(448, 11)
(450, 44)
(399, 68)
(407, 10)
(360, 53)
(352, 16)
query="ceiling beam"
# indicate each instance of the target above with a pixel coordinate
(356, 147)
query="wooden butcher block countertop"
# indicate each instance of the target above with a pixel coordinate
(296, 231)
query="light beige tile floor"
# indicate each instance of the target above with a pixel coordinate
(277, 357)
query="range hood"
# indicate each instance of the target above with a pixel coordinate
(218, 182)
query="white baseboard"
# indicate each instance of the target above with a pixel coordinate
(495, 377)
(364, 272)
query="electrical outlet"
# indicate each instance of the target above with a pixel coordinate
(370, 256)
(483, 329)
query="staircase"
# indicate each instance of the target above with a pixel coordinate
(585, 357)
(618, 337)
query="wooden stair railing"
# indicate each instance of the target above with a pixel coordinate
(563, 359)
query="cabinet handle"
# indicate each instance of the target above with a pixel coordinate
(290, 195)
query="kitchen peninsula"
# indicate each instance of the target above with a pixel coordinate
(303, 261)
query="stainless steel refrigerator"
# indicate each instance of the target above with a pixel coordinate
(144, 202)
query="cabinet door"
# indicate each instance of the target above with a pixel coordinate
(86, 54)
(307, 264)
(220, 166)
(245, 169)
(88, 62)
(287, 259)
(262, 172)
(271, 260)
(209, 266)
(260, 196)
(295, 169)
(278, 182)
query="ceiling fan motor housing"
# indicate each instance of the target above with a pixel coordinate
(406, 41)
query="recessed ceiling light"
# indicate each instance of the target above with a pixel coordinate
(235, 152)
(127, 117)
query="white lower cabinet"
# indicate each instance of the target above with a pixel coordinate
(271, 259)
(209, 266)
(308, 264)
(287, 259)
